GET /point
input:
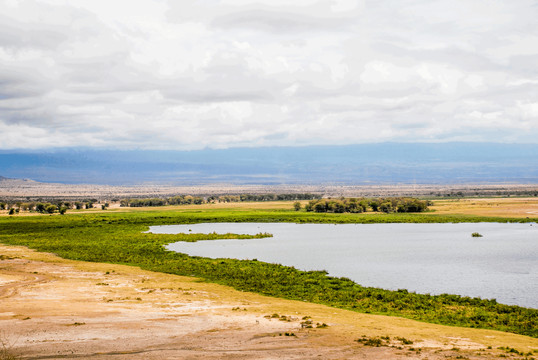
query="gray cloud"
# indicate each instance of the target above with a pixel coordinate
(225, 73)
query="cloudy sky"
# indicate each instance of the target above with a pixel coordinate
(231, 73)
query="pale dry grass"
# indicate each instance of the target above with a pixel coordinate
(503, 207)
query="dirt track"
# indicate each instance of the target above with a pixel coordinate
(52, 308)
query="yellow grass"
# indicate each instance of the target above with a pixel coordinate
(504, 207)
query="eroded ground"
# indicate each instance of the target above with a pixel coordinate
(52, 308)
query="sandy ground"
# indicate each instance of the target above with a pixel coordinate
(51, 308)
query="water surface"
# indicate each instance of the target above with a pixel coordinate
(425, 258)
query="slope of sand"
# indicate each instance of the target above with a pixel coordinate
(51, 308)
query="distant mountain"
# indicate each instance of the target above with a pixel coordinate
(383, 163)
(14, 180)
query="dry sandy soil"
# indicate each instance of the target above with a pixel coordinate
(51, 308)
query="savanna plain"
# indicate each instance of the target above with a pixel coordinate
(92, 284)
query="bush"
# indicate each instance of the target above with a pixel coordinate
(51, 209)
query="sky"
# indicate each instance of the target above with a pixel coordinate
(187, 75)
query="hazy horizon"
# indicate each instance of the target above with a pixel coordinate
(382, 163)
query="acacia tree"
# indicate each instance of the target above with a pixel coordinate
(51, 209)
(386, 207)
(374, 204)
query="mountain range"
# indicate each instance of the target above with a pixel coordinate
(383, 163)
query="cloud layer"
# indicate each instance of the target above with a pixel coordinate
(228, 73)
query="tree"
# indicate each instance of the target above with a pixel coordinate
(374, 204)
(337, 206)
(50, 209)
(310, 205)
(320, 207)
(297, 206)
(386, 207)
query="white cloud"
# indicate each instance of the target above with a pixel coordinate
(224, 73)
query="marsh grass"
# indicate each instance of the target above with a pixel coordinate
(119, 238)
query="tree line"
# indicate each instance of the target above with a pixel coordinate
(359, 205)
(197, 200)
(175, 200)
(47, 207)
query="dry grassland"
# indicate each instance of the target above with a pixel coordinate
(504, 207)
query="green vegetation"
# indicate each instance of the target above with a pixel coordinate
(475, 234)
(383, 341)
(40, 207)
(373, 341)
(354, 205)
(119, 237)
(197, 200)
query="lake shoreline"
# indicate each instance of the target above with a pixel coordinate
(491, 267)
(190, 318)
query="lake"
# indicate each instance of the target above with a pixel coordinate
(424, 258)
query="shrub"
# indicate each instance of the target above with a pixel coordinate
(50, 209)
